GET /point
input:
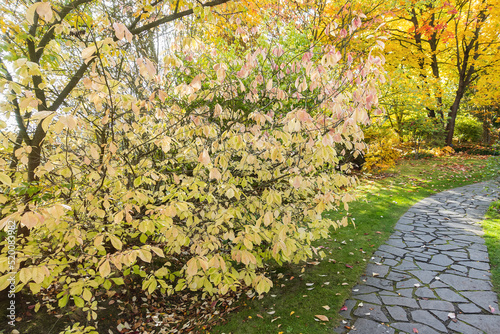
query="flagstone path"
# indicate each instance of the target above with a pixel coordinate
(432, 275)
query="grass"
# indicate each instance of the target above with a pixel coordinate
(491, 227)
(321, 286)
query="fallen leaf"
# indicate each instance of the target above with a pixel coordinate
(375, 274)
(360, 305)
(292, 312)
(492, 309)
(343, 308)
(322, 317)
(348, 266)
(275, 319)
(271, 312)
(451, 315)
(415, 330)
(260, 316)
(326, 307)
(309, 284)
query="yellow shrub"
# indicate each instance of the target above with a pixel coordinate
(382, 154)
(442, 151)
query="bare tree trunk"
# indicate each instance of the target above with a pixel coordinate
(486, 131)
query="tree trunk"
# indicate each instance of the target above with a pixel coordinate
(452, 115)
(486, 131)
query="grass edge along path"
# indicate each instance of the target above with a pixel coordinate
(491, 228)
(306, 298)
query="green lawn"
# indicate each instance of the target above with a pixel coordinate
(321, 286)
(491, 228)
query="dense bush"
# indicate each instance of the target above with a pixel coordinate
(189, 174)
(468, 129)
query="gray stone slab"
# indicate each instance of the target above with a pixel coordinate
(479, 274)
(487, 323)
(441, 315)
(405, 292)
(361, 288)
(390, 262)
(397, 276)
(372, 268)
(425, 293)
(408, 328)
(459, 268)
(449, 295)
(469, 308)
(477, 255)
(461, 327)
(393, 250)
(366, 326)
(429, 266)
(424, 276)
(425, 317)
(439, 305)
(400, 301)
(458, 254)
(380, 283)
(406, 265)
(483, 299)
(350, 305)
(463, 283)
(370, 298)
(385, 255)
(397, 313)
(409, 283)
(438, 284)
(476, 265)
(371, 311)
(396, 242)
(441, 260)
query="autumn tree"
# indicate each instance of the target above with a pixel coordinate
(446, 44)
(191, 170)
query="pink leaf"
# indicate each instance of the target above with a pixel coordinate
(344, 308)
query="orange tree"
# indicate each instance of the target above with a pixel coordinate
(191, 172)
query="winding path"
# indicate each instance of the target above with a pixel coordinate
(432, 275)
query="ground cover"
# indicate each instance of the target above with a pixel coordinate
(304, 296)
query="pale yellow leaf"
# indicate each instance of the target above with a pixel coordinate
(105, 269)
(5, 179)
(322, 317)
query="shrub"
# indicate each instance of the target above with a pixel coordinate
(382, 154)
(190, 174)
(468, 129)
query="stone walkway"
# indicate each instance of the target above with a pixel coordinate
(432, 275)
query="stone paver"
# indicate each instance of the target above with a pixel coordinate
(433, 272)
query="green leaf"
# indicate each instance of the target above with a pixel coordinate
(63, 301)
(79, 302)
(118, 281)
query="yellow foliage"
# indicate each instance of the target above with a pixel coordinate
(442, 151)
(191, 173)
(382, 154)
